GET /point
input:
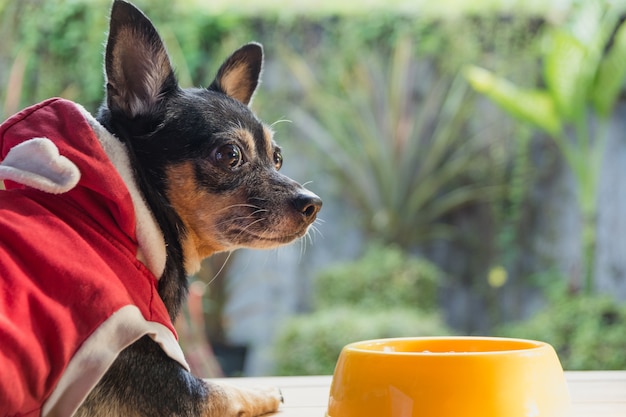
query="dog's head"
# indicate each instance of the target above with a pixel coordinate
(208, 166)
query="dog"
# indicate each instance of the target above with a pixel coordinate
(103, 219)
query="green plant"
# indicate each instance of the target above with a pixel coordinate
(584, 66)
(55, 38)
(586, 330)
(395, 136)
(53, 48)
(310, 345)
(384, 293)
(384, 277)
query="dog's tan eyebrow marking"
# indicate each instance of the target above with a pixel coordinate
(268, 134)
(247, 140)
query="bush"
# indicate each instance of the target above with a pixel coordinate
(385, 293)
(53, 47)
(384, 277)
(587, 331)
(310, 345)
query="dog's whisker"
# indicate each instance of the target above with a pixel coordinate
(257, 210)
(232, 206)
(234, 220)
(220, 270)
(280, 121)
(245, 229)
(314, 231)
(302, 248)
(258, 198)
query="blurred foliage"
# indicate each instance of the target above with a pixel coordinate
(419, 159)
(383, 277)
(420, 156)
(431, 9)
(384, 293)
(396, 138)
(310, 344)
(586, 330)
(56, 48)
(584, 67)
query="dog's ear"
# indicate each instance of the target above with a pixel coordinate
(239, 75)
(138, 70)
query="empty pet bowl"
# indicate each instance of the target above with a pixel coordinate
(448, 377)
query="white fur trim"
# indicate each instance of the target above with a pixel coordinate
(98, 352)
(151, 241)
(37, 163)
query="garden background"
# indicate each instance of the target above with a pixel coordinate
(471, 156)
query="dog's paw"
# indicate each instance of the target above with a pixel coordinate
(244, 401)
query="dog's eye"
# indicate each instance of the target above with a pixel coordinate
(278, 159)
(228, 156)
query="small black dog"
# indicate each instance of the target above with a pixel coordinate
(119, 219)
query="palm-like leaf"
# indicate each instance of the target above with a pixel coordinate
(578, 77)
(611, 75)
(398, 145)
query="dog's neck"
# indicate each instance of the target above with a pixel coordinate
(172, 281)
(151, 251)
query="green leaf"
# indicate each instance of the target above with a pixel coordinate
(610, 76)
(532, 106)
(573, 53)
(564, 73)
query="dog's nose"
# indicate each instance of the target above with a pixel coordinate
(308, 204)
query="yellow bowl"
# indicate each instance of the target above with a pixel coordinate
(448, 377)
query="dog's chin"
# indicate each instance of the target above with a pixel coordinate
(254, 240)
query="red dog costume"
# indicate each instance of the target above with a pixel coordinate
(79, 253)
